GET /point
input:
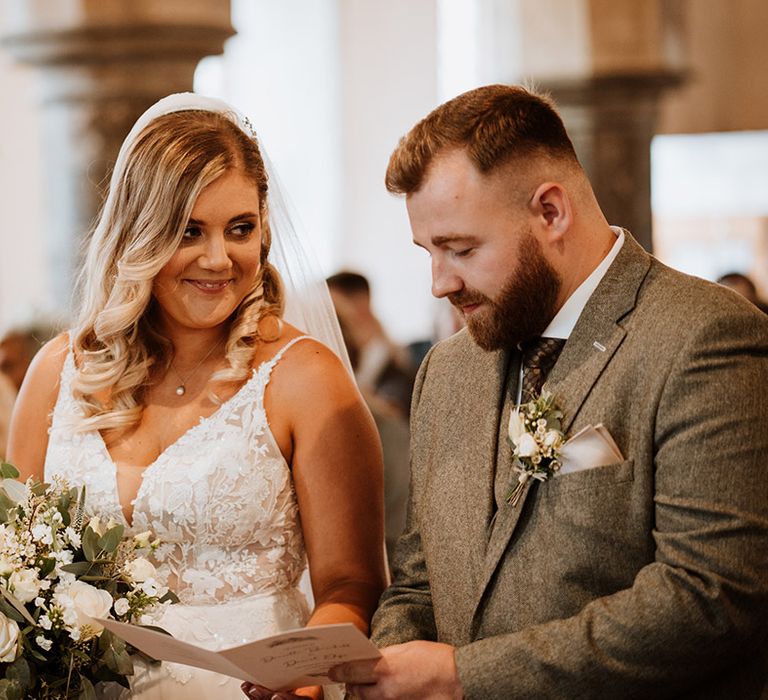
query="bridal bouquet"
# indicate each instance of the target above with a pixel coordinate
(58, 573)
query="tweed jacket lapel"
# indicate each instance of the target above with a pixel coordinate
(595, 338)
(480, 455)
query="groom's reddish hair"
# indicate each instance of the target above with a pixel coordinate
(494, 124)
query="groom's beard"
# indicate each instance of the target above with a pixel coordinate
(523, 308)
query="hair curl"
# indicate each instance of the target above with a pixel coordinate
(116, 338)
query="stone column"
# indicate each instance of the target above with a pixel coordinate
(612, 120)
(607, 64)
(101, 64)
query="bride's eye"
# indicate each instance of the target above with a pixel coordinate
(242, 230)
(191, 233)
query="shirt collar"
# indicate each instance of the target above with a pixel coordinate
(565, 319)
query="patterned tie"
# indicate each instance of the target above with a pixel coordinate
(539, 357)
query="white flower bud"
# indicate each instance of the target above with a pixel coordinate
(121, 606)
(142, 539)
(95, 524)
(140, 569)
(527, 446)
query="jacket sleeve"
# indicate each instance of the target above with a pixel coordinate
(701, 607)
(405, 610)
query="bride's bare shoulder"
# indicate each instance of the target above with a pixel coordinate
(49, 360)
(307, 362)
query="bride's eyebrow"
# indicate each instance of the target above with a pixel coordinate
(238, 217)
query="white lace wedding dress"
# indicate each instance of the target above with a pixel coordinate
(222, 501)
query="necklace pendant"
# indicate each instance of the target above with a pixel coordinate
(180, 390)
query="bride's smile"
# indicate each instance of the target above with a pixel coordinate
(218, 259)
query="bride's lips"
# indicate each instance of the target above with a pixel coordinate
(209, 286)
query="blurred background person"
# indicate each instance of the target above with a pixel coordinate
(20, 343)
(7, 399)
(742, 284)
(395, 440)
(384, 369)
(447, 321)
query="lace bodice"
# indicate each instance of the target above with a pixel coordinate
(220, 498)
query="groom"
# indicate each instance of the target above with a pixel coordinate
(641, 571)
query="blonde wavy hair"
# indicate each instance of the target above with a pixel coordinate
(116, 340)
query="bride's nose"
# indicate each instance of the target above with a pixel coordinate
(215, 254)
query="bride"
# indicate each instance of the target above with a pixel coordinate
(188, 405)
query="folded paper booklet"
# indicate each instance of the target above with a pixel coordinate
(288, 660)
(591, 447)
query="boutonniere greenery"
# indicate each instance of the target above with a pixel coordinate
(535, 432)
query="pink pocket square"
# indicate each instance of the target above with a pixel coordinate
(591, 447)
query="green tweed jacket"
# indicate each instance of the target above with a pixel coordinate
(642, 579)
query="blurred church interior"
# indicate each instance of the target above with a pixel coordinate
(666, 101)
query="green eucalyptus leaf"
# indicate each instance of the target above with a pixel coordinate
(114, 654)
(46, 566)
(10, 690)
(20, 672)
(79, 568)
(90, 542)
(39, 488)
(10, 611)
(103, 674)
(111, 538)
(169, 597)
(8, 471)
(87, 691)
(6, 502)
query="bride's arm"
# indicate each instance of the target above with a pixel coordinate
(338, 473)
(31, 418)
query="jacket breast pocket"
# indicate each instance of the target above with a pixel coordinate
(595, 478)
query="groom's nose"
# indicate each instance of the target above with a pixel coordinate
(444, 280)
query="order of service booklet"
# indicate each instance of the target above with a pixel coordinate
(287, 660)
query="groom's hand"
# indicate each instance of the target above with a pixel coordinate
(258, 692)
(411, 671)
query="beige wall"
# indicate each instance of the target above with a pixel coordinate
(726, 43)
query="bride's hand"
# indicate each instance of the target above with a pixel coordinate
(258, 692)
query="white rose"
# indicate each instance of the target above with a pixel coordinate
(140, 570)
(9, 639)
(86, 602)
(25, 585)
(552, 439)
(516, 427)
(122, 606)
(527, 446)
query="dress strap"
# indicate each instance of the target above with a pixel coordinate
(285, 348)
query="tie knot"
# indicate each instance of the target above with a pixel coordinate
(539, 357)
(542, 352)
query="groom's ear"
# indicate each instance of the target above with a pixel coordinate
(551, 209)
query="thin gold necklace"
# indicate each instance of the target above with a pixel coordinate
(181, 389)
